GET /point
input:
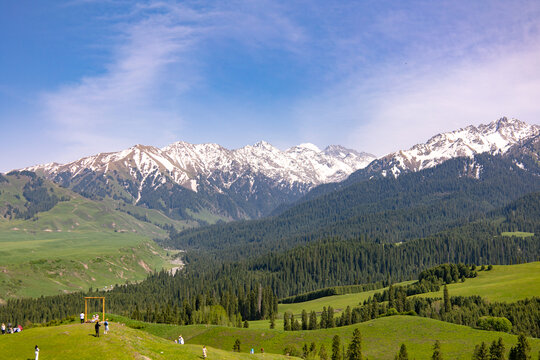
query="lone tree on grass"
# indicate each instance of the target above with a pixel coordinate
(402, 354)
(447, 303)
(437, 355)
(236, 346)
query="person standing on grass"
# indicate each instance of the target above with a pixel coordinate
(106, 323)
(97, 328)
(82, 317)
(3, 329)
(36, 352)
(204, 351)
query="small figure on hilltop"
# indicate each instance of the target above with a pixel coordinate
(97, 328)
(36, 352)
(106, 323)
(204, 352)
(81, 315)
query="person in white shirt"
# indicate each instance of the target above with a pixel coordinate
(82, 317)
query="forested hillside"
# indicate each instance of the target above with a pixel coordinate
(249, 289)
(380, 210)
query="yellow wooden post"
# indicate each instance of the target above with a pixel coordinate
(85, 309)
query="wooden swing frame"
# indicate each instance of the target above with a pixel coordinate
(86, 298)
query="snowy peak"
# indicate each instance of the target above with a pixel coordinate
(185, 164)
(495, 138)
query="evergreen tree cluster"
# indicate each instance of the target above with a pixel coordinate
(158, 299)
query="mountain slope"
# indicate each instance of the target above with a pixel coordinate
(53, 240)
(183, 180)
(389, 209)
(497, 137)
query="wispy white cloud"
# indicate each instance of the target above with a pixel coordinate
(154, 61)
(438, 78)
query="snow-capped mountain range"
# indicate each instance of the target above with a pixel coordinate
(260, 174)
(184, 163)
(185, 179)
(496, 137)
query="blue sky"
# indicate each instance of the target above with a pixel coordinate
(80, 77)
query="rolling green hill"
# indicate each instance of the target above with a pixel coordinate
(53, 240)
(381, 338)
(77, 342)
(507, 283)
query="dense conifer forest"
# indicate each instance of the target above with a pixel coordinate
(386, 210)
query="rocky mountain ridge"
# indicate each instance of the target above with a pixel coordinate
(494, 138)
(259, 174)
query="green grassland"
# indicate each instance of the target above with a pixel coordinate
(79, 243)
(76, 341)
(381, 337)
(507, 283)
(77, 269)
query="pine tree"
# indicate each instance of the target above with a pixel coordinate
(437, 355)
(295, 324)
(330, 323)
(324, 318)
(402, 354)
(496, 350)
(236, 346)
(336, 348)
(481, 352)
(347, 316)
(313, 321)
(272, 321)
(246, 324)
(287, 326)
(354, 352)
(447, 303)
(522, 349)
(304, 320)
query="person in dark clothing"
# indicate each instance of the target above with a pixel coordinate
(97, 328)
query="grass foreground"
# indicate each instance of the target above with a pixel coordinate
(77, 341)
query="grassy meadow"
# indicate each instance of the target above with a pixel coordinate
(76, 245)
(381, 338)
(76, 341)
(506, 283)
